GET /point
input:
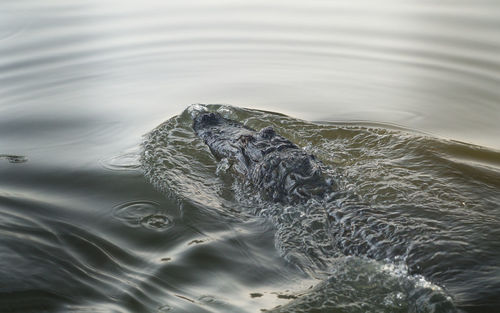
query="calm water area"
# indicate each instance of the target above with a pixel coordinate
(109, 202)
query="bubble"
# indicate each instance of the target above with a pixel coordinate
(157, 222)
(142, 213)
(395, 299)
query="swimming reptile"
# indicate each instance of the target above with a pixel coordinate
(278, 168)
(284, 173)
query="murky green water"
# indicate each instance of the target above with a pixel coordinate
(408, 99)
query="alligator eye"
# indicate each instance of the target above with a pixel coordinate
(267, 132)
(245, 139)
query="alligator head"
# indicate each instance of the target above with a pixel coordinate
(278, 168)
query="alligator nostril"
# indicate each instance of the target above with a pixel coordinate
(208, 117)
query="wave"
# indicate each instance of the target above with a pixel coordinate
(402, 200)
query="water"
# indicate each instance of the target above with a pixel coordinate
(406, 92)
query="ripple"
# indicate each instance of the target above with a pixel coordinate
(122, 162)
(13, 25)
(402, 57)
(143, 213)
(423, 65)
(14, 158)
(398, 199)
(157, 222)
(164, 308)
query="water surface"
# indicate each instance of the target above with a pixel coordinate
(405, 99)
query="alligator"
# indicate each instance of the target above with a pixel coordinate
(285, 174)
(279, 169)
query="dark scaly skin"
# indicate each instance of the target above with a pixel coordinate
(285, 173)
(278, 168)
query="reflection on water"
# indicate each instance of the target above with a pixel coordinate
(81, 82)
(428, 66)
